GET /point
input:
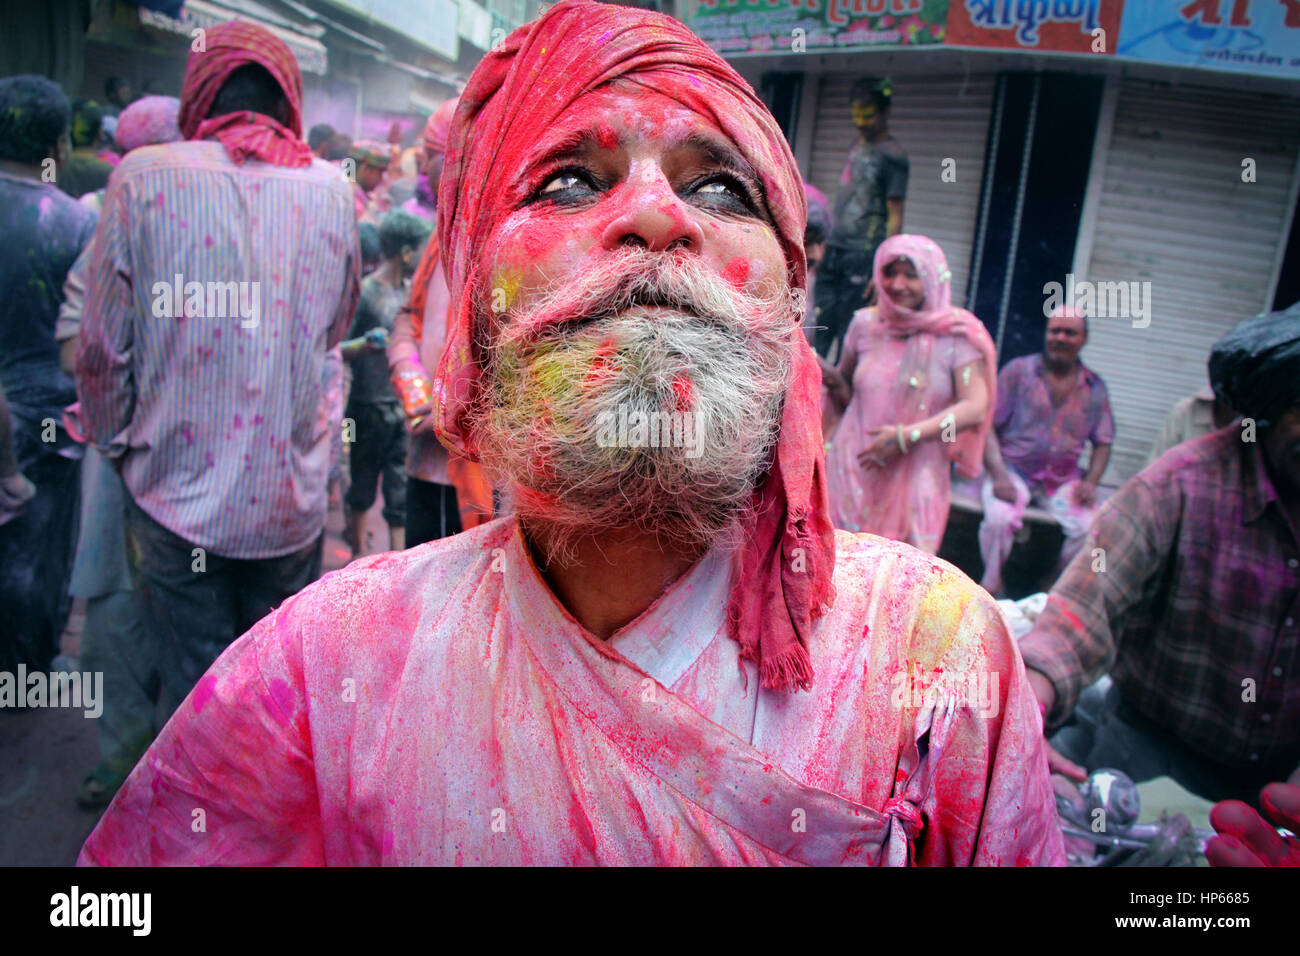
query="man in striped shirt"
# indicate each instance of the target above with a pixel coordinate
(226, 267)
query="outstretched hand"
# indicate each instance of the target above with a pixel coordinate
(1057, 762)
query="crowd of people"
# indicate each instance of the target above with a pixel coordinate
(617, 652)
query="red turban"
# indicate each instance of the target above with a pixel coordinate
(783, 577)
(439, 125)
(226, 48)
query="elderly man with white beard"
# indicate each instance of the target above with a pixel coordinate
(665, 655)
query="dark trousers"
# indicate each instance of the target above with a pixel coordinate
(118, 643)
(36, 551)
(432, 512)
(1125, 740)
(198, 609)
(840, 291)
(379, 452)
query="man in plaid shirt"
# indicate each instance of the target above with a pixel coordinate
(1188, 593)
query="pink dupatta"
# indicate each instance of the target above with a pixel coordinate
(938, 317)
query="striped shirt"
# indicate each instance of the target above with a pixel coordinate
(214, 294)
(1189, 592)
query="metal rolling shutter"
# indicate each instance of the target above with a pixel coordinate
(933, 118)
(1174, 211)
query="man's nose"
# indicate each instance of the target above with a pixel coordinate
(652, 216)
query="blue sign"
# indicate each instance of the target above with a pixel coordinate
(1242, 36)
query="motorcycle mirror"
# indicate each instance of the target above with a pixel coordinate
(1116, 795)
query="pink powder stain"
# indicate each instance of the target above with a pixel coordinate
(159, 198)
(737, 272)
(239, 422)
(282, 696)
(207, 242)
(606, 137)
(673, 210)
(386, 847)
(203, 692)
(683, 393)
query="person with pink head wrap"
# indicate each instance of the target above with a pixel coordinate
(916, 377)
(425, 201)
(446, 493)
(224, 269)
(245, 52)
(665, 655)
(1050, 406)
(148, 121)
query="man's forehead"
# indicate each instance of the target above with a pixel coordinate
(619, 117)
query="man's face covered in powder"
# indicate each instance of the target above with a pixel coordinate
(640, 315)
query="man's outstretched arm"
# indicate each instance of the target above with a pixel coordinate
(1074, 641)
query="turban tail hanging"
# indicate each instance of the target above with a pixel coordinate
(782, 580)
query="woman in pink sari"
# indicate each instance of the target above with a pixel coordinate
(918, 378)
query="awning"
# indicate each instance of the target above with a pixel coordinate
(201, 14)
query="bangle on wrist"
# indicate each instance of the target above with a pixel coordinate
(902, 445)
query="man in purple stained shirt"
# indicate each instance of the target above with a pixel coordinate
(1049, 407)
(226, 266)
(1194, 605)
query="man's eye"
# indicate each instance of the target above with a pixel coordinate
(562, 182)
(725, 187)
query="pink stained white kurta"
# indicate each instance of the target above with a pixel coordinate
(908, 500)
(438, 706)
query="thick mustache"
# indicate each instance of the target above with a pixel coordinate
(632, 300)
(605, 296)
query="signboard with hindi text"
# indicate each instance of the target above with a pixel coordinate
(1058, 26)
(799, 26)
(1248, 36)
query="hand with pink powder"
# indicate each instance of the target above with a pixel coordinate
(1246, 838)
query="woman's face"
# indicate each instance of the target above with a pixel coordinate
(903, 285)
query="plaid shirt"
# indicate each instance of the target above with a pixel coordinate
(1197, 613)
